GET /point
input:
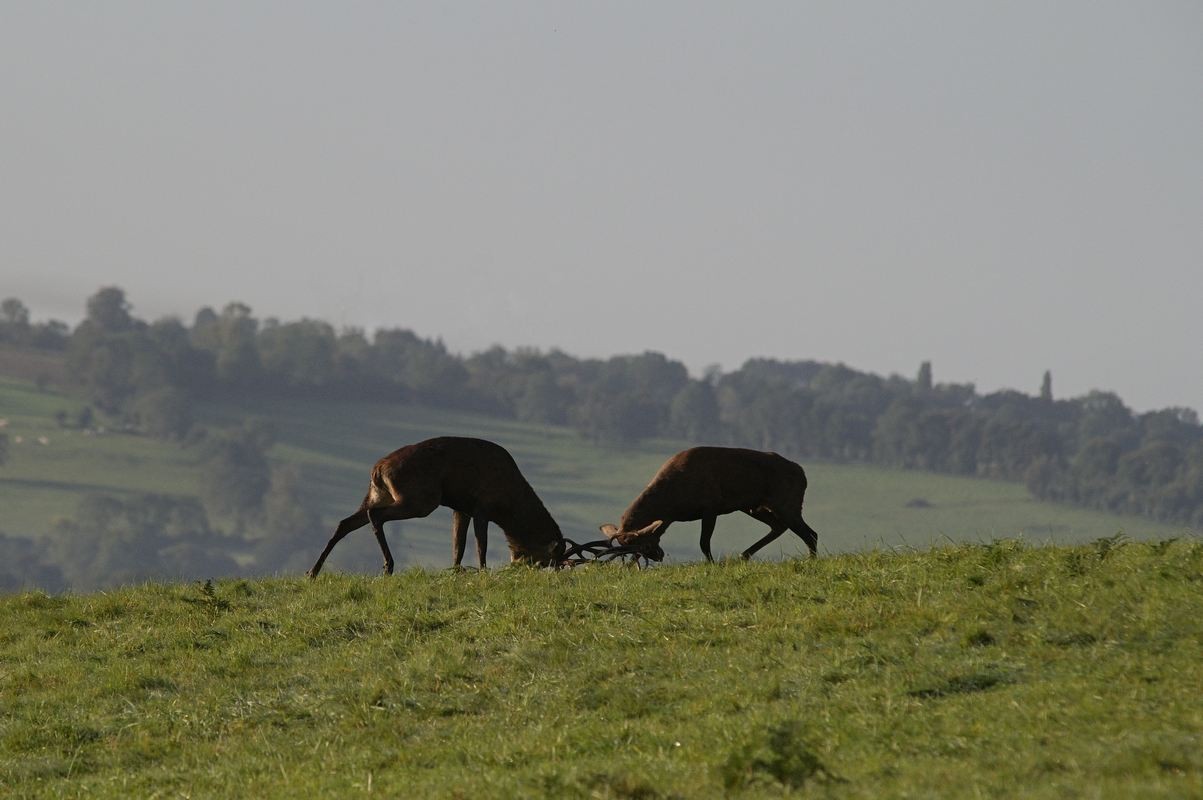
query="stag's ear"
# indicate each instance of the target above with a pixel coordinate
(650, 530)
(608, 530)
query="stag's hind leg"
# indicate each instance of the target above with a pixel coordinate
(805, 532)
(480, 526)
(351, 523)
(707, 532)
(405, 508)
(388, 556)
(776, 528)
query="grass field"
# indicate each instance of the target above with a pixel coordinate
(996, 670)
(852, 506)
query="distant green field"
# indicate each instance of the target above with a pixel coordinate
(49, 468)
(852, 506)
(970, 671)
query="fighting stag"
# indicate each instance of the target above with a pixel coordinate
(477, 479)
(707, 482)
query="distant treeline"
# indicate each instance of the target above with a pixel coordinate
(1091, 450)
(249, 517)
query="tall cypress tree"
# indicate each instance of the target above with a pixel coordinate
(924, 379)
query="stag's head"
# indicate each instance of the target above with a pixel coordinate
(546, 554)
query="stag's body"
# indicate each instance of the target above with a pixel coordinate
(707, 482)
(478, 480)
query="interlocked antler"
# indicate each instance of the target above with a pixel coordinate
(606, 550)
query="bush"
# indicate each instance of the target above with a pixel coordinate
(783, 756)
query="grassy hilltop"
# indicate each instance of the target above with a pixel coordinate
(972, 670)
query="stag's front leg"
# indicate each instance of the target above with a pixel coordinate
(707, 532)
(459, 537)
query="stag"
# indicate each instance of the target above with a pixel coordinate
(706, 482)
(478, 480)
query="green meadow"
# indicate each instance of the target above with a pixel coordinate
(977, 644)
(994, 670)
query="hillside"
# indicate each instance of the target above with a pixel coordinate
(334, 444)
(987, 670)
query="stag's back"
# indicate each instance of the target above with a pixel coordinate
(705, 481)
(466, 473)
(473, 476)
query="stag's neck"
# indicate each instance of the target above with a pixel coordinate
(533, 519)
(650, 506)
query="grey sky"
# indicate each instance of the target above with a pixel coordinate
(1001, 188)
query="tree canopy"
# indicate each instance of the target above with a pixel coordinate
(1091, 450)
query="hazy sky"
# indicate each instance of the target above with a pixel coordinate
(1001, 188)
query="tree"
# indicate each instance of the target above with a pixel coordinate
(693, 413)
(1175, 425)
(1152, 466)
(648, 376)
(113, 368)
(615, 418)
(423, 366)
(923, 381)
(965, 442)
(629, 397)
(13, 312)
(108, 310)
(1046, 387)
(542, 399)
(352, 355)
(291, 521)
(237, 351)
(776, 418)
(204, 333)
(1045, 478)
(896, 437)
(184, 366)
(102, 365)
(14, 321)
(114, 540)
(49, 335)
(298, 354)
(1103, 414)
(235, 473)
(114, 357)
(164, 413)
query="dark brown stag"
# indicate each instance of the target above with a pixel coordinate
(706, 482)
(476, 479)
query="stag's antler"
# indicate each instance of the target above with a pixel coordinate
(606, 550)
